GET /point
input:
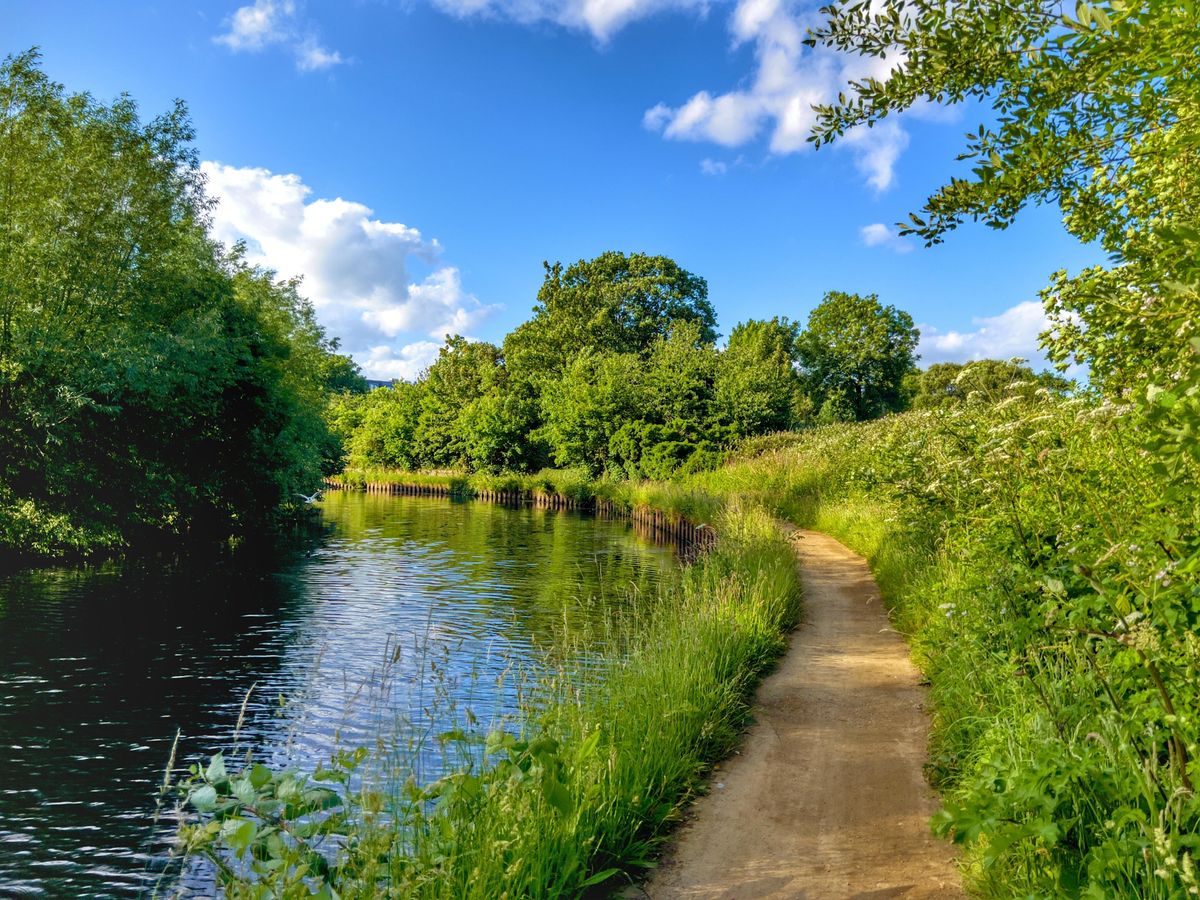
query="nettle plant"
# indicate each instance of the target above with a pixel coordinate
(332, 833)
(276, 833)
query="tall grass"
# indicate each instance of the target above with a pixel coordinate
(1042, 556)
(580, 788)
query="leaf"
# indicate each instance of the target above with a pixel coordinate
(216, 769)
(237, 834)
(244, 791)
(558, 796)
(600, 877)
(204, 798)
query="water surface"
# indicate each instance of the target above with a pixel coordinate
(405, 608)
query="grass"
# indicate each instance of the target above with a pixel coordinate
(677, 500)
(583, 787)
(1040, 557)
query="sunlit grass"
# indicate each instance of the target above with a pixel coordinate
(579, 789)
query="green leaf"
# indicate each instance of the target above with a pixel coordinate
(600, 877)
(204, 798)
(558, 796)
(216, 769)
(237, 834)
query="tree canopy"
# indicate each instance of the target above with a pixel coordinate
(615, 302)
(149, 381)
(1097, 110)
(855, 353)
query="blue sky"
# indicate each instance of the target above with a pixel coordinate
(417, 160)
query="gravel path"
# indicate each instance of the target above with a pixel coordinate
(827, 799)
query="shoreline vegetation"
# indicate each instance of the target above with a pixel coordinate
(1050, 604)
(579, 788)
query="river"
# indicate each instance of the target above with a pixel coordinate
(403, 612)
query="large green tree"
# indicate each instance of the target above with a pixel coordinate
(1096, 107)
(464, 372)
(855, 352)
(757, 385)
(594, 396)
(149, 382)
(614, 303)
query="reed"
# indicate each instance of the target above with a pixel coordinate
(576, 791)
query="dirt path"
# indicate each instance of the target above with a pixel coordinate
(827, 799)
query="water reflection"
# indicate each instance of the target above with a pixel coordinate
(99, 668)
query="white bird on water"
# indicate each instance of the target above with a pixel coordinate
(307, 499)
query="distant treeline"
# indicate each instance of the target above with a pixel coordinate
(151, 384)
(619, 371)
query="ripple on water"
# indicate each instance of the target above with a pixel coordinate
(98, 668)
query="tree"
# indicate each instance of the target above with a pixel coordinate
(379, 427)
(150, 383)
(613, 303)
(757, 386)
(584, 408)
(1096, 110)
(497, 431)
(856, 349)
(990, 380)
(681, 368)
(463, 372)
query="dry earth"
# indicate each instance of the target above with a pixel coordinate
(827, 799)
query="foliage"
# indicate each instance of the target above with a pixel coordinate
(635, 392)
(856, 352)
(585, 407)
(464, 370)
(379, 427)
(986, 380)
(150, 385)
(614, 303)
(757, 388)
(581, 788)
(1098, 110)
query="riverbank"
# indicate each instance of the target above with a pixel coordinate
(682, 518)
(576, 792)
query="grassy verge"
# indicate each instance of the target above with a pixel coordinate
(582, 787)
(676, 499)
(1042, 557)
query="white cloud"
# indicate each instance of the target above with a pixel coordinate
(1012, 333)
(355, 266)
(876, 151)
(312, 57)
(386, 363)
(789, 80)
(879, 235)
(268, 22)
(602, 18)
(713, 167)
(254, 27)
